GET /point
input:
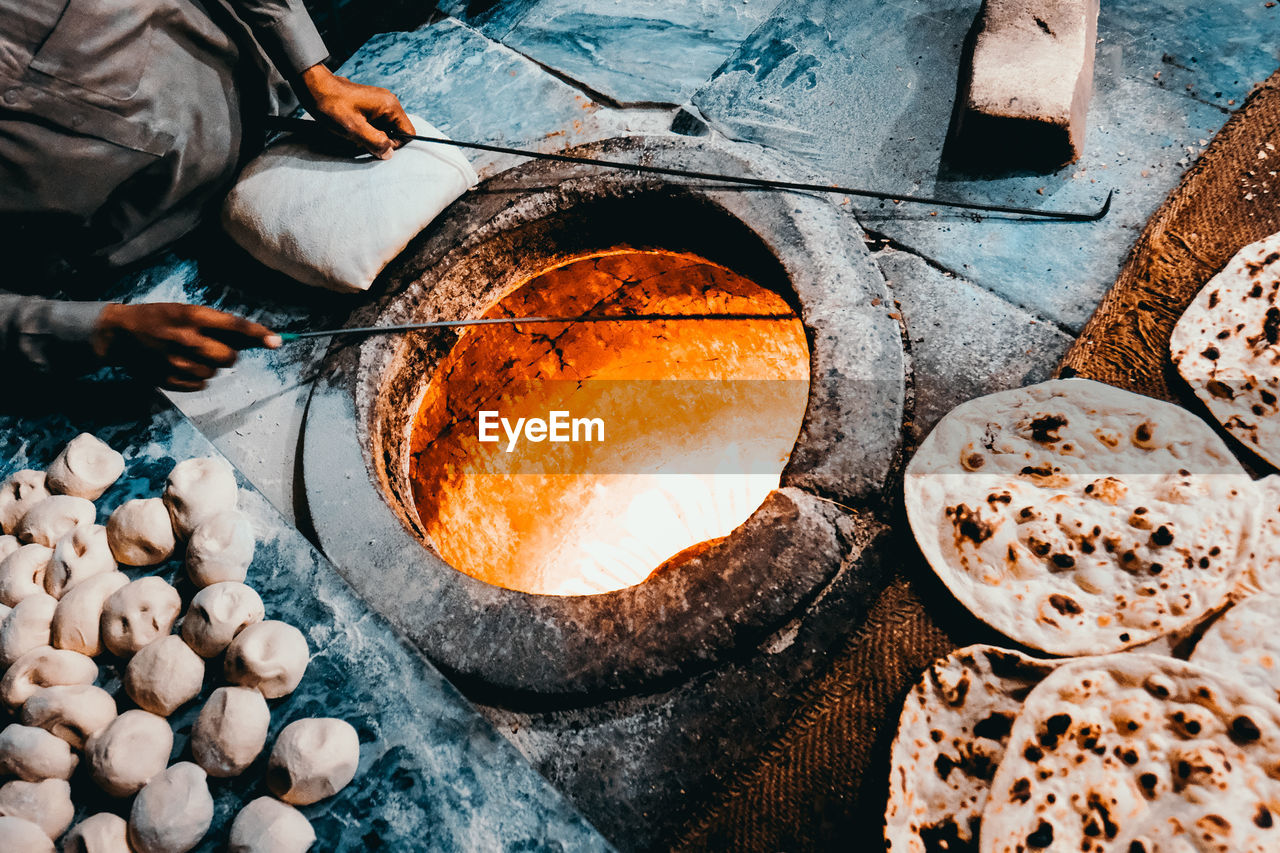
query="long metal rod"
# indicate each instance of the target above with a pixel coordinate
(304, 125)
(520, 321)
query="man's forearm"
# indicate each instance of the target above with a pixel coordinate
(46, 333)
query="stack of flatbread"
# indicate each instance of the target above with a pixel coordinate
(1077, 518)
(1227, 347)
(1134, 753)
(1082, 520)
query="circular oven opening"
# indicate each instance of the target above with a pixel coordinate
(580, 458)
(717, 596)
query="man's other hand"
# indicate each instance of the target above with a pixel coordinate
(178, 347)
(362, 112)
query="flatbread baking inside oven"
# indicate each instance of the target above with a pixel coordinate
(1245, 641)
(1138, 753)
(1078, 518)
(951, 736)
(1227, 347)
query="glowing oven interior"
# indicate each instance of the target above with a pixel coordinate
(683, 427)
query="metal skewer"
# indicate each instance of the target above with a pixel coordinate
(305, 125)
(286, 337)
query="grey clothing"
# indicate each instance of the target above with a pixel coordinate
(120, 122)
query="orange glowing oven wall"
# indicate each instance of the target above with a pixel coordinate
(698, 420)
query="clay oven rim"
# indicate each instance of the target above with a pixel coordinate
(713, 597)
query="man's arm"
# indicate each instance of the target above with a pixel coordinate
(46, 333)
(289, 36)
(175, 346)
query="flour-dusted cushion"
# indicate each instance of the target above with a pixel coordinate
(334, 221)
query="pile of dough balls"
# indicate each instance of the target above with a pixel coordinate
(64, 602)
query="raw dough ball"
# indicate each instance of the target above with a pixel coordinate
(137, 613)
(85, 468)
(173, 812)
(164, 675)
(101, 833)
(22, 573)
(79, 555)
(221, 549)
(73, 712)
(230, 731)
(140, 532)
(53, 518)
(126, 754)
(76, 621)
(199, 489)
(27, 627)
(217, 613)
(267, 825)
(47, 804)
(34, 755)
(23, 836)
(18, 494)
(44, 667)
(313, 759)
(270, 655)
(8, 544)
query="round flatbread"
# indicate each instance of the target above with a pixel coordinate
(951, 736)
(1261, 570)
(1245, 642)
(1078, 518)
(1227, 347)
(1137, 753)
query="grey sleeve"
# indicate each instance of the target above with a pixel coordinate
(47, 333)
(286, 32)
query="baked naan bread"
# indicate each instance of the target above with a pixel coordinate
(952, 734)
(1138, 753)
(1078, 518)
(1227, 347)
(1245, 642)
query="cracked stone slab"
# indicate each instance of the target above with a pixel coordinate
(494, 18)
(648, 51)
(964, 342)
(473, 88)
(863, 92)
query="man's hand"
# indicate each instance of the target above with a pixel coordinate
(361, 112)
(176, 346)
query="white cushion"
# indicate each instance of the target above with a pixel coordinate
(335, 222)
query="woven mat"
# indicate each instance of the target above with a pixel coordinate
(820, 784)
(1220, 207)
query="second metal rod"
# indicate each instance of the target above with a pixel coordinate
(305, 125)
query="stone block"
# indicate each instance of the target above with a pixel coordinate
(1027, 83)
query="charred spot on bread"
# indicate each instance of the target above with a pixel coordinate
(1065, 604)
(995, 726)
(1042, 837)
(1044, 428)
(1220, 390)
(970, 525)
(1244, 730)
(1063, 561)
